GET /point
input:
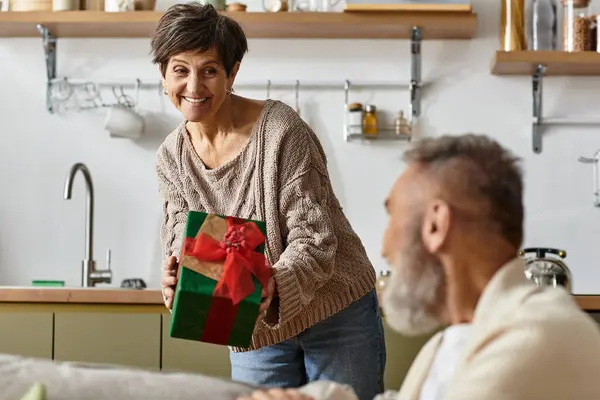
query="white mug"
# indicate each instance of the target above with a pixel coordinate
(124, 122)
(119, 5)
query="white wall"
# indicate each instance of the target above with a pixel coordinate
(42, 235)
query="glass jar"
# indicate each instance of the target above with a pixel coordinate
(355, 119)
(512, 26)
(541, 25)
(576, 25)
(595, 34)
(401, 124)
(370, 120)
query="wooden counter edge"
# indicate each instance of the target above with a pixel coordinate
(144, 297)
(588, 302)
(81, 296)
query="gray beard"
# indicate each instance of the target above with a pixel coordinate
(412, 293)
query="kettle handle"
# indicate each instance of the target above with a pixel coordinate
(541, 251)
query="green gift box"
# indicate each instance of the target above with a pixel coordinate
(222, 271)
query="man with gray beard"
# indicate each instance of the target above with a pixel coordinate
(455, 228)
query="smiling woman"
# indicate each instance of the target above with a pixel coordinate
(189, 50)
(259, 160)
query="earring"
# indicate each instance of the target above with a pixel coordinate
(228, 91)
(165, 91)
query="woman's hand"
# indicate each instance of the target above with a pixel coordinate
(276, 394)
(267, 296)
(169, 280)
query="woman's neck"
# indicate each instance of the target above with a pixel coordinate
(219, 125)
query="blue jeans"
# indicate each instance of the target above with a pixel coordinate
(348, 348)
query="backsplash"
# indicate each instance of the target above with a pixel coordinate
(42, 235)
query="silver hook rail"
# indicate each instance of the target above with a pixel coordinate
(58, 90)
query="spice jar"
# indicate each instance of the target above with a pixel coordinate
(355, 119)
(512, 25)
(576, 25)
(370, 120)
(402, 125)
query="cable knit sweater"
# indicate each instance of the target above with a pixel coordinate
(280, 177)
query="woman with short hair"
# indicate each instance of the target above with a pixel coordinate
(259, 160)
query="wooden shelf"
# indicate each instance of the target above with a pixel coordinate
(285, 25)
(558, 63)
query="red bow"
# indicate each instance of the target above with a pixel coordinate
(241, 261)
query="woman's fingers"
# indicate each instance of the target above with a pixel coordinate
(169, 280)
(168, 294)
(170, 263)
(264, 306)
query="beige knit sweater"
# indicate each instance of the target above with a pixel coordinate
(321, 264)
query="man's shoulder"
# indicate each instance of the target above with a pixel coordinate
(551, 305)
(546, 346)
(547, 320)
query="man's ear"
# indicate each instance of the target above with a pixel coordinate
(436, 225)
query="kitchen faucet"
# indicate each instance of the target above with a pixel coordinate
(90, 276)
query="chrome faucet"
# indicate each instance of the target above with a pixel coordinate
(90, 276)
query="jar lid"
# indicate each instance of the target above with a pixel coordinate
(354, 106)
(371, 108)
(576, 3)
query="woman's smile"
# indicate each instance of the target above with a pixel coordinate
(195, 101)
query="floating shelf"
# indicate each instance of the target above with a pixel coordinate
(557, 63)
(284, 25)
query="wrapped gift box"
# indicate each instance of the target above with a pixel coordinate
(222, 271)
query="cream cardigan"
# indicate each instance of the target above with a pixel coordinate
(527, 343)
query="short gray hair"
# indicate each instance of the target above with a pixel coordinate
(477, 168)
(196, 27)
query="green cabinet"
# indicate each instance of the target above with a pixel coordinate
(126, 339)
(141, 339)
(26, 334)
(400, 351)
(190, 356)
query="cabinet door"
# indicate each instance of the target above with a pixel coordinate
(27, 334)
(190, 356)
(401, 351)
(126, 339)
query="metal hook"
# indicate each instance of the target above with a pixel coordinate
(346, 93)
(122, 99)
(115, 93)
(298, 97)
(596, 185)
(62, 90)
(268, 89)
(346, 106)
(126, 99)
(138, 83)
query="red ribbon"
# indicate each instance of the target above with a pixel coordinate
(241, 260)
